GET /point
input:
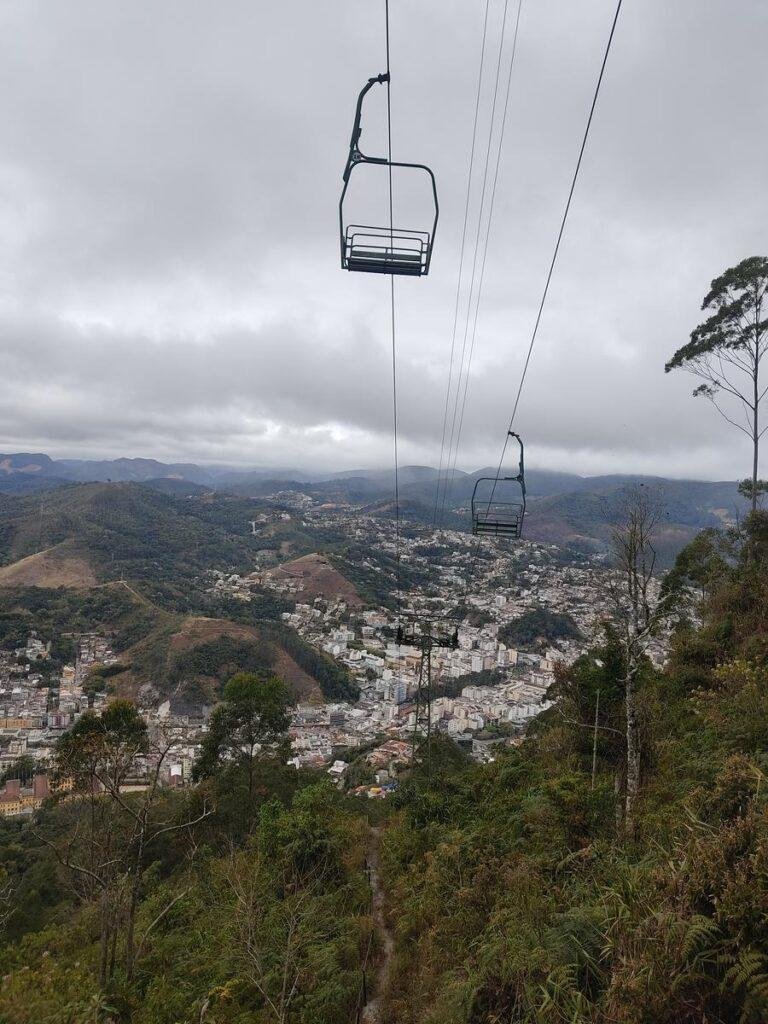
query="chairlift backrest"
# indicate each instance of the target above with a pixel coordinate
(383, 250)
(500, 515)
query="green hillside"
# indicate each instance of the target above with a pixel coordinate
(112, 610)
(516, 891)
(583, 519)
(150, 550)
(128, 529)
(188, 656)
(162, 540)
(563, 509)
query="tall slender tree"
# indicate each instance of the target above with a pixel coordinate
(640, 608)
(725, 353)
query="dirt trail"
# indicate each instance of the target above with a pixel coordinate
(371, 1012)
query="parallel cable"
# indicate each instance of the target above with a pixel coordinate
(550, 272)
(392, 315)
(556, 252)
(461, 260)
(485, 246)
(477, 247)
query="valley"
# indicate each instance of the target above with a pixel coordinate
(383, 513)
(182, 593)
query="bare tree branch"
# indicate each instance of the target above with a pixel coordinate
(158, 919)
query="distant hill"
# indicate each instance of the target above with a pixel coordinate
(59, 566)
(27, 464)
(25, 471)
(129, 560)
(564, 508)
(578, 512)
(126, 530)
(190, 659)
(36, 465)
(79, 534)
(583, 523)
(177, 488)
(163, 654)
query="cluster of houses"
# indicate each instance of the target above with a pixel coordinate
(483, 691)
(505, 685)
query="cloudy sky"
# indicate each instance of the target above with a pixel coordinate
(169, 280)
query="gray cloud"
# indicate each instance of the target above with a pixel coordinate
(169, 174)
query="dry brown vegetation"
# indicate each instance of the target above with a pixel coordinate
(170, 643)
(59, 566)
(318, 578)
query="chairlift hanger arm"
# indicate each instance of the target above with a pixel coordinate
(500, 517)
(521, 471)
(355, 154)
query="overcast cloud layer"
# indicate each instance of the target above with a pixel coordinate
(169, 281)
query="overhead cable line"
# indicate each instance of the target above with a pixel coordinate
(550, 272)
(560, 233)
(478, 299)
(461, 261)
(392, 316)
(481, 210)
(428, 639)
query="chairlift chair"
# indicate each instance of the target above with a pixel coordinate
(501, 516)
(383, 250)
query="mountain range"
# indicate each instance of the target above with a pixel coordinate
(564, 508)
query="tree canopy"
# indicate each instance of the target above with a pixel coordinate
(253, 716)
(102, 748)
(726, 351)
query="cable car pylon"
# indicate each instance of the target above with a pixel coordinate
(426, 639)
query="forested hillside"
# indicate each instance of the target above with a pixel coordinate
(257, 912)
(528, 890)
(569, 509)
(127, 561)
(129, 531)
(521, 891)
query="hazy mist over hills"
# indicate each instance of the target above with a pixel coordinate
(563, 508)
(20, 469)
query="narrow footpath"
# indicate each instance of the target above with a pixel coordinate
(378, 983)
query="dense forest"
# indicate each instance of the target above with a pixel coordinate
(334, 680)
(521, 891)
(529, 889)
(539, 624)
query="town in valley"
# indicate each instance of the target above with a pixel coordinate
(488, 680)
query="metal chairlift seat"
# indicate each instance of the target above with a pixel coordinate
(502, 516)
(383, 250)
